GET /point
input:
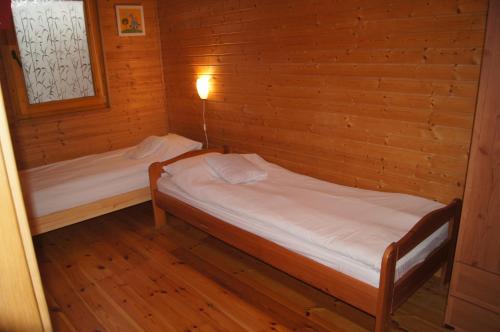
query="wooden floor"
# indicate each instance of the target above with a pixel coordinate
(118, 273)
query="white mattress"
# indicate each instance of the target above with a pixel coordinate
(344, 228)
(71, 183)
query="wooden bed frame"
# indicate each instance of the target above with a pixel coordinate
(71, 216)
(379, 302)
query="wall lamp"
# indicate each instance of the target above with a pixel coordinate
(203, 87)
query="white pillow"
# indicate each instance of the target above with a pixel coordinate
(147, 147)
(235, 169)
(179, 166)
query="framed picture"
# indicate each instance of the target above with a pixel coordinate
(130, 20)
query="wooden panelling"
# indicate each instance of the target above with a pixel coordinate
(374, 94)
(136, 92)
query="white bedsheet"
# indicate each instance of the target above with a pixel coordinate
(70, 183)
(345, 228)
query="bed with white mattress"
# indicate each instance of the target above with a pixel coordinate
(73, 190)
(368, 248)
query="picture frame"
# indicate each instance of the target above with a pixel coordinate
(130, 20)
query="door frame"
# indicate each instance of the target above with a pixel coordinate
(22, 304)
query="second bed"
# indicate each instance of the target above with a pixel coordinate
(70, 191)
(370, 249)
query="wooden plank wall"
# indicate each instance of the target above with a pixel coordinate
(377, 94)
(136, 91)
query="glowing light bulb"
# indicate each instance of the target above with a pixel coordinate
(202, 86)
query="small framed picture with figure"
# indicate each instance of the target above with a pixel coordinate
(130, 20)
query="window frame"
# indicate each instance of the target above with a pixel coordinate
(25, 110)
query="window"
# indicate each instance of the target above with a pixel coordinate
(57, 65)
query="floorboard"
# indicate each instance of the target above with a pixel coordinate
(118, 273)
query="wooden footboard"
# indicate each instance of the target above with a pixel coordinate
(379, 302)
(392, 294)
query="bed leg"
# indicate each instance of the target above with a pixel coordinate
(453, 236)
(386, 289)
(446, 272)
(381, 324)
(383, 315)
(155, 170)
(160, 216)
(447, 268)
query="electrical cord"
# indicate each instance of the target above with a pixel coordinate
(205, 124)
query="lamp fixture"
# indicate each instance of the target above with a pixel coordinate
(203, 88)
